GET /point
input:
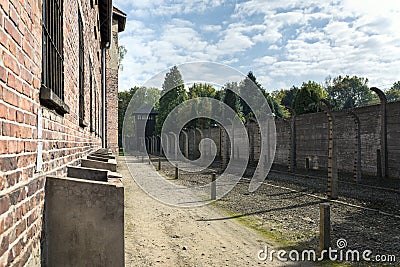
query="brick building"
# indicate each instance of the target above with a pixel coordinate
(58, 102)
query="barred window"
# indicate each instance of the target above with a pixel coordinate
(81, 73)
(52, 89)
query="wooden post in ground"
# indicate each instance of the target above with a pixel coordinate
(213, 187)
(324, 227)
(176, 172)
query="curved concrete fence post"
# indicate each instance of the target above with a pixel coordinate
(186, 143)
(332, 164)
(154, 138)
(224, 150)
(194, 144)
(384, 151)
(357, 148)
(201, 148)
(147, 145)
(210, 137)
(289, 158)
(233, 139)
(164, 140)
(158, 145)
(175, 144)
(292, 154)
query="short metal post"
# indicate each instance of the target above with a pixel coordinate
(324, 227)
(159, 163)
(176, 172)
(142, 158)
(213, 187)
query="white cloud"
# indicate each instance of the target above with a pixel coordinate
(211, 28)
(284, 42)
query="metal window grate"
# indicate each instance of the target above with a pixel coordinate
(53, 58)
(81, 72)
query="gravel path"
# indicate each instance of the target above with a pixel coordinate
(292, 218)
(161, 235)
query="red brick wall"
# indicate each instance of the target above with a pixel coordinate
(112, 92)
(64, 141)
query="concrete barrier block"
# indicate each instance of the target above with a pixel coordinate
(87, 163)
(102, 155)
(97, 158)
(84, 222)
(87, 173)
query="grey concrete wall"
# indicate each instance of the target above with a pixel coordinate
(393, 120)
(312, 139)
(84, 222)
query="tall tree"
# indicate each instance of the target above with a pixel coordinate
(393, 94)
(307, 98)
(231, 99)
(285, 98)
(348, 92)
(173, 93)
(202, 90)
(247, 86)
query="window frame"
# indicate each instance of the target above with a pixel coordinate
(81, 70)
(52, 80)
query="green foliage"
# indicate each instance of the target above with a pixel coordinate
(202, 90)
(121, 55)
(288, 98)
(173, 93)
(393, 94)
(307, 98)
(230, 98)
(285, 98)
(349, 92)
(249, 84)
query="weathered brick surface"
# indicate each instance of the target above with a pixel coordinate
(64, 141)
(112, 91)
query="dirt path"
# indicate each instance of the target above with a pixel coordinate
(161, 235)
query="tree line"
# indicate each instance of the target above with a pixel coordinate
(343, 92)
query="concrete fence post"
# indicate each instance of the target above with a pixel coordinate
(357, 149)
(332, 164)
(292, 149)
(383, 150)
(224, 160)
(186, 144)
(324, 226)
(213, 187)
(201, 148)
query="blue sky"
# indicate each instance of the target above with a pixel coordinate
(283, 42)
